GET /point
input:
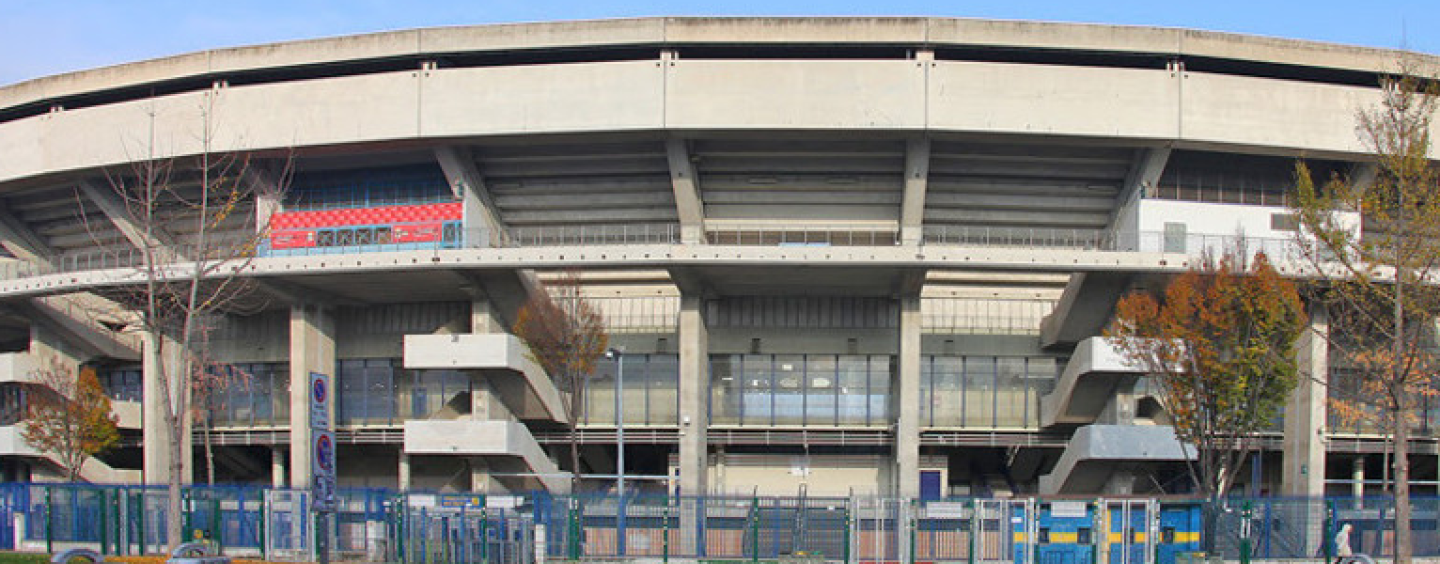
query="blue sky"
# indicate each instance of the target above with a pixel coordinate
(39, 38)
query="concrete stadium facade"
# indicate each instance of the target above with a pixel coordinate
(841, 255)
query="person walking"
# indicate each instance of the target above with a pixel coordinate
(1342, 544)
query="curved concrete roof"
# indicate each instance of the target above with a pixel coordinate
(711, 30)
(1070, 80)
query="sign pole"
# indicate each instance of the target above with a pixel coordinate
(322, 463)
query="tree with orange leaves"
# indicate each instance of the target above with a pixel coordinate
(68, 416)
(1220, 343)
(566, 336)
(1378, 274)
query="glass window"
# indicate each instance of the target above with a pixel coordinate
(758, 407)
(821, 387)
(980, 391)
(882, 370)
(854, 390)
(1011, 392)
(727, 378)
(662, 373)
(789, 385)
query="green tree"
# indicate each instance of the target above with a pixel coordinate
(1376, 249)
(566, 336)
(1220, 343)
(70, 417)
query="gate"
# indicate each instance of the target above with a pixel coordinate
(289, 531)
(1129, 527)
(875, 530)
(1065, 533)
(11, 503)
(1004, 531)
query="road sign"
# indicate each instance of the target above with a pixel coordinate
(319, 401)
(322, 467)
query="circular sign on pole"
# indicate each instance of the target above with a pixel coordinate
(325, 452)
(317, 390)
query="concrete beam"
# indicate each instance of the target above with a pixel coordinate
(917, 180)
(689, 206)
(1084, 307)
(1144, 175)
(78, 324)
(115, 208)
(482, 218)
(312, 349)
(22, 241)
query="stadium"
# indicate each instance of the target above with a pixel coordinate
(836, 256)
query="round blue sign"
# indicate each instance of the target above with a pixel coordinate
(324, 452)
(317, 390)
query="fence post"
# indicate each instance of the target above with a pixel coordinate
(755, 528)
(845, 544)
(104, 524)
(1245, 533)
(263, 525)
(49, 520)
(665, 529)
(974, 530)
(140, 520)
(217, 532)
(1326, 524)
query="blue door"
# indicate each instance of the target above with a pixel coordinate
(1179, 531)
(930, 485)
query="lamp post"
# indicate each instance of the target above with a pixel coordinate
(618, 354)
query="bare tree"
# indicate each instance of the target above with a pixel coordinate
(1380, 271)
(193, 234)
(69, 417)
(566, 335)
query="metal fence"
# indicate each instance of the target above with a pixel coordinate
(423, 528)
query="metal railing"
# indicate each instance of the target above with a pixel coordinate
(1279, 249)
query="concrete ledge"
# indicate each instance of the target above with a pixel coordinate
(499, 354)
(1096, 451)
(1094, 372)
(483, 438)
(16, 367)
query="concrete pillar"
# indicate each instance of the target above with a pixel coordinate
(155, 433)
(484, 319)
(1357, 478)
(694, 385)
(907, 426)
(1304, 451)
(485, 402)
(1121, 482)
(481, 480)
(404, 471)
(312, 349)
(277, 467)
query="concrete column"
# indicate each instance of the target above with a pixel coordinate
(485, 402)
(1304, 452)
(907, 427)
(484, 319)
(694, 385)
(481, 480)
(404, 472)
(277, 467)
(312, 349)
(1357, 478)
(155, 433)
